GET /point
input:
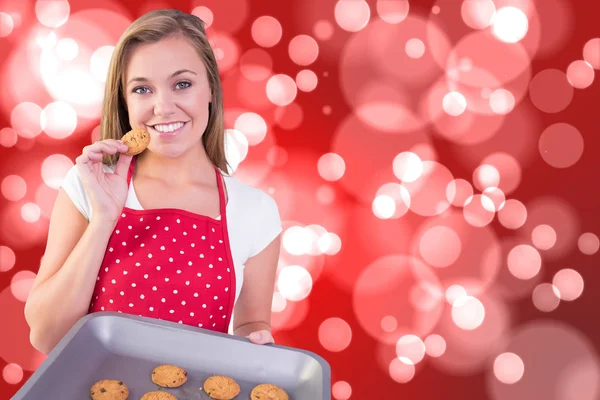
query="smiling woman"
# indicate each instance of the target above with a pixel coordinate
(166, 233)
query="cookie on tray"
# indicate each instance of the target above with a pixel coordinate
(267, 391)
(158, 396)
(109, 389)
(169, 376)
(137, 140)
(221, 387)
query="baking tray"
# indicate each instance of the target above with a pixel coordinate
(109, 345)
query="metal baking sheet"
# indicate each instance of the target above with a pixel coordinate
(123, 347)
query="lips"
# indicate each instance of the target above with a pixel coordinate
(167, 134)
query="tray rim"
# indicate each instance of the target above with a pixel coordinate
(86, 319)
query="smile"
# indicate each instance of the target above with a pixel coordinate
(168, 129)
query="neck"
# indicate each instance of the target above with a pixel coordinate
(191, 166)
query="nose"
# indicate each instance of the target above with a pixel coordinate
(164, 105)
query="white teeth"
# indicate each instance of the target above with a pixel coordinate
(168, 127)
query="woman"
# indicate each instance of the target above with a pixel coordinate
(165, 234)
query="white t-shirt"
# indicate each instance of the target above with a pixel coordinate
(253, 219)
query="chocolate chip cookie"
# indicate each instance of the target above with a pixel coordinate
(137, 140)
(169, 376)
(109, 389)
(268, 391)
(221, 387)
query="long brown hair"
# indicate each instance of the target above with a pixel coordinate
(150, 28)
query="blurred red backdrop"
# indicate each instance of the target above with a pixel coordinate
(434, 163)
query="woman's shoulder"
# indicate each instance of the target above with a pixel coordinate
(249, 197)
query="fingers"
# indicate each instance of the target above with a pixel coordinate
(122, 167)
(261, 337)
(95, 151)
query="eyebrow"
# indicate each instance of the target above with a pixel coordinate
(174, 74)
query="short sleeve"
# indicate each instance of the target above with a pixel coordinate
(74, 188)
(269, 224)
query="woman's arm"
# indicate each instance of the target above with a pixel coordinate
(62, 290)
(253, 308)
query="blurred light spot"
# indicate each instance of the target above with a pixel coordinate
(493, 199)
(6, 24)
(253, 126)
(550, 91)
(415, 48)
(7, 258)
(52, 13)
(323, 30)
(21, 284)
(12, 374)
(510, 24)
(402, 371)
(276, 156)
(454, 104)
(325, 194)
(393, 11)
(266, 31)
(502, 101)
(435, 345)
(306, 80)
(569, 284)
(205, 14)
(294, 283)
(54, 169)
(407, 166)
(410, 347)
(440, 246)
(455, 292)
(458, 192)
(468, 313)
(13, 187)
(327, 110)
(278, 303)
(67, 49)
(330, 243)
(580, 74)
(508, 168)
(352, 15)
(316, 233)
(289, 117)
(303, 50)
(26, 119)
(100, 62)
(543, 237)
(591, 52)
(428, 192)
(30, 212)
(561, 145)
(331, 167)
(341, 390)
(513, 215)
(281, 90)
(478, 210)
(508, 368)
(478, 14)
(46, 40)
(425, 296)
(226, 50)
(297, 240)
(524, 262)
(60, 120)
(545, 297)
(256, 65)
(236, 147)
(588, 243)
(8, 137)
(45, 197)
(389, 324)
(485, 176)
(384, 207)
(435, 10)
(335, 334)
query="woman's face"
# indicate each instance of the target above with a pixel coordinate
(167, 93)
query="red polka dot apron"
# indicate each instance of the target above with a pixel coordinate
(169, 264)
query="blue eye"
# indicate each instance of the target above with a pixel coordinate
(185, 85)
(137, 89)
